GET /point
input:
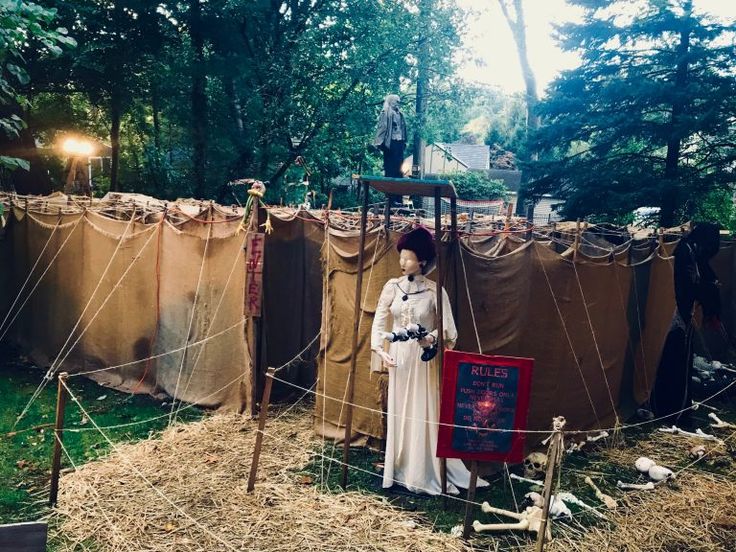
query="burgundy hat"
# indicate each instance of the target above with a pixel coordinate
(421, 242)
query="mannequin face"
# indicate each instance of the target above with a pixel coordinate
(410, 265)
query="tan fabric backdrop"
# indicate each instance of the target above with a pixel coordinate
(134, 287)
(590, 364)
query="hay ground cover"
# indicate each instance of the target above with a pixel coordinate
(200, 470)
(182, 489)
(25, 452)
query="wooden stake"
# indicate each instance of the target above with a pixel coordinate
(660, 239)
(58, 437)
(555, 448)
(576, 245)
(439, 302)
(471, 498)
(261, 425)
(354, 355)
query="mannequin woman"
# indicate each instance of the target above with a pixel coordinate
(414, 385)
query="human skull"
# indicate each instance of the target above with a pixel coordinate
(535, 465)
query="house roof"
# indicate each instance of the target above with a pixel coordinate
(473, 156)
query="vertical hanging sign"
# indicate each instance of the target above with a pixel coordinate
(254, 274)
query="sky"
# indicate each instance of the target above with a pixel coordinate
(492, 51)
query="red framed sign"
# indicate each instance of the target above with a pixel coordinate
(482, 396)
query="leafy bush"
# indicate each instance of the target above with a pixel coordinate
(477, 186)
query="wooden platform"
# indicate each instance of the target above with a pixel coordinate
(409, 186)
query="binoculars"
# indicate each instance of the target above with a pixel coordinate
(413, 331)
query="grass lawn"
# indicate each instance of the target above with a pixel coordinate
(25, 453)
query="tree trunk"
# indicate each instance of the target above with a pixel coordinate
(518, 29)
(417, 169)
(199, 101)
(155, 105)
(670, 196)
(115, 115)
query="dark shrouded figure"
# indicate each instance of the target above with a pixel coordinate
(695, 281)
(391, 136)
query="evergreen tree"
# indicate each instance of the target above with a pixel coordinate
(648, 117)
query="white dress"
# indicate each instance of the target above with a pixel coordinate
(414, 389)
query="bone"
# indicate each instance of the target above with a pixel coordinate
(718, 423)
(660, 473)
(643, 464)
(709, 407)
(608, 501)
(572, 499)
(557, 507)
(648, 486)
(525, 480)
(699, 434)
(589, 439)
(528, 520)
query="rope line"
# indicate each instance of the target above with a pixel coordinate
(694, 406)
(198, 401)
(142, 476)
(191, 322)
(38, 282)
(595, 341)
(53, 367)
(160, 355)
(238, 255)
(30, 273)
(569, 339)
(470, 300)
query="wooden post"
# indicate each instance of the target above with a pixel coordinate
(453, 217)
(439, 301)
(387, 212)
(507, 222)
(471, 497)
(660, 239)
(576, 244)
(58, 437)
(555, 449)
(261, 425)
(354, 354)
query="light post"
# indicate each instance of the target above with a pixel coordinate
(78, 149)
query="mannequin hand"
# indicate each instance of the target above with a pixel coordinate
(388, 360)
(427, 341)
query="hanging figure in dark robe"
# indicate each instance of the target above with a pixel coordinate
(694, 281)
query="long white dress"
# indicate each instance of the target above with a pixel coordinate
(414, 389)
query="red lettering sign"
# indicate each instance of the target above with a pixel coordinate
(254, 273)
(484, 399)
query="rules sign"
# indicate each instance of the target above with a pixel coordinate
(485, 400)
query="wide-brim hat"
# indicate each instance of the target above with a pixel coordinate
(421, 242)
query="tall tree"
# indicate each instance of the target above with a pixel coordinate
(646, 118)
(513, 12)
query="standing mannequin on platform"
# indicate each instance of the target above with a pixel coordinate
(414, 385)
(391, 136)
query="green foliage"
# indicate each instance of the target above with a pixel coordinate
(647, 119)
(24, 27)
(717, 206)
(476, 185)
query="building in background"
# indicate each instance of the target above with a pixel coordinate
(441, 159)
